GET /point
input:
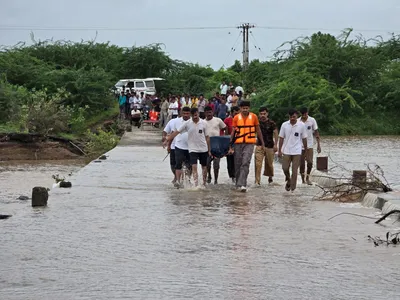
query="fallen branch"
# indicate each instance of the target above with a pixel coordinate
(349, 189)
(78, 148)
(387, 215)
(344, 213)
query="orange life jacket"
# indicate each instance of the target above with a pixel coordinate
(246, 129)
(153, 115)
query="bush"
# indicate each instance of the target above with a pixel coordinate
(44, 115)
(100, 142)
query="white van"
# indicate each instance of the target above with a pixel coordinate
(146, 85)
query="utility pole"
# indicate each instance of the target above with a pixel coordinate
(245, 30)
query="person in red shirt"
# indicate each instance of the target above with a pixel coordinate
(230, 158)
(210, 104)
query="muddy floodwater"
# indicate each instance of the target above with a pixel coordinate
(123, 232)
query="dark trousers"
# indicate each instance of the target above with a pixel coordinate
(230, 159)
(127, 110)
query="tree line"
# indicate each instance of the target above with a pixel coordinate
(351, 85)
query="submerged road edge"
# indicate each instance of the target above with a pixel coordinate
(385, 202)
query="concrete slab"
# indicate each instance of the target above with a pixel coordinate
(141, 138)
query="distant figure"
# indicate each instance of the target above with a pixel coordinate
(201, 105)
(164, 112)
(136, 117)
(239, 89)
(224, 88)
(122, 102)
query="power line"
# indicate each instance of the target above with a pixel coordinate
(324, 29)
(233, 49)
(47, 28)
(255, 44)
(6, 27)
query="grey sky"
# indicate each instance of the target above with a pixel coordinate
(204, 46)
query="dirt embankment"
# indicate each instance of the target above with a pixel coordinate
(31, 146)
(21, 146)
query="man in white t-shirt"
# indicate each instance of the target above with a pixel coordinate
(173, 109)
(307, 155)
(168, 129)
(224, 88)
(239, 89)
(214, 127)
(198, 143)
(292, 139)
(137, 102)
(181, 147)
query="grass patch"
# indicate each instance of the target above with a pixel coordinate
(105, 115)
(8, 127)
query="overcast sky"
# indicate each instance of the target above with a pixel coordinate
(211, 46)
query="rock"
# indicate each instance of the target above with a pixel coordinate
(103, 157)
(23, 198)
(2, 217)
(40, 195)
(65, 184)
(97, 161)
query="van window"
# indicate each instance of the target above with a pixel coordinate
(139, 84)
(149, 83)
(130, 84)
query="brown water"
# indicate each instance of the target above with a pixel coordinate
(123, 232)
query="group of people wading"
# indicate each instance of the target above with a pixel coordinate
(187, 139)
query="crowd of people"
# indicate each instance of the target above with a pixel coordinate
(137, 107)
(190, 122)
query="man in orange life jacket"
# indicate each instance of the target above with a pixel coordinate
(245, 127)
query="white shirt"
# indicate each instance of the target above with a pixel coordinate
(136, 113)
(224, 89)
(214, 126)
(137, 102)
(311, 126)
(197, 133)
(173, 108)
(181, 140)
(239, 89)
(201, 105)
(293, 137)
(169, 129)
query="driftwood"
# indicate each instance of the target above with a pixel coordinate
(387, 215)
(348, 189)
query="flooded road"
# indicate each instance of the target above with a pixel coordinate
(123, 232)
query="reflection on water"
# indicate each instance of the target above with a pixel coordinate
(123, 232)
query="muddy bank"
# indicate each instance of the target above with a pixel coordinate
(20, 146)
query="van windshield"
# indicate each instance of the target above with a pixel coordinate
(119, 84)
(149, 83)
